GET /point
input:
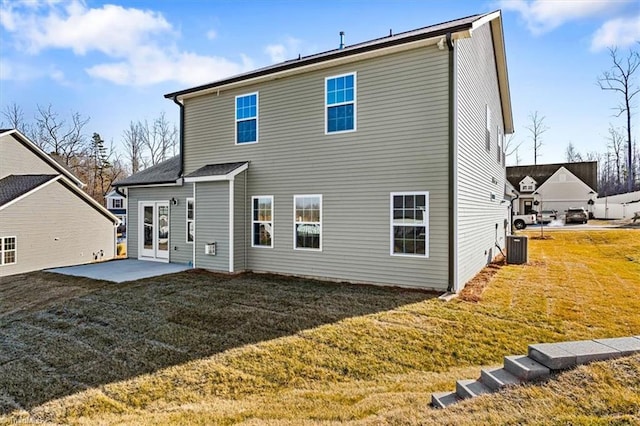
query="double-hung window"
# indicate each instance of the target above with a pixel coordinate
(191, 227)
(262, 222)
(8, 250)
(410, 224)
(487, 132)
(307, 218)
(340, 103)
(116, 203)
(247, 118)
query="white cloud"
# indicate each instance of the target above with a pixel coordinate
(212, 34)
(620, 32)
(138, 44)
(283, 51)
(542, 16)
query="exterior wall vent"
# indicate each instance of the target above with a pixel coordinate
(517, 249)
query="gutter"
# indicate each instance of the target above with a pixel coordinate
(452, 160)
(177, 102)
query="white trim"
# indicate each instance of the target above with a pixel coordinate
(153, 203)
(486, 18)
(187, 220)
(44, 156)
(235, 113)
(195, 234)
(425, 223)
(295, 223)
(231, 223)
(354, 102)
(253, 221)
(15, 250)
(218, 178)
(36, 189)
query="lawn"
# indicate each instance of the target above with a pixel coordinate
(201, 348)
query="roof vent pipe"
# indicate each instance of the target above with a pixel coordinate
(341, 40)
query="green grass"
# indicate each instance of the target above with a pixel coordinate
(200, 348)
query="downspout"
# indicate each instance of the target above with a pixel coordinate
(452, 161)
(177, 102)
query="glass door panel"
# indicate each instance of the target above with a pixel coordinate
(162, 248)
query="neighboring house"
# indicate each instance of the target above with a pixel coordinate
(46, 219)
(380, 162)
(554, 186)
(116, 203)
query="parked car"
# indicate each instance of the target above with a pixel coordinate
(546, 216)
(576, 215)
(520, 221)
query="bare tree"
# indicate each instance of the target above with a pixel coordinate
(616, 145)
(621, 79)
(511, 146)
(571, 154)
(15, 116)
(133, 144)
(536, 128)
(64, 141)
(160, 139)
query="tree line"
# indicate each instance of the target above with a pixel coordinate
(98, 164)
(619, 163)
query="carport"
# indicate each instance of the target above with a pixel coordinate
(121, 270)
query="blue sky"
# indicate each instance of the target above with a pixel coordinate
(114, 61)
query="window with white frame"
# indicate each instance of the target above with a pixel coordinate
(247, 118)
(307, 217)
(116, 203)
(262, 221)
(190, 220)
(340, 103)
(410, 224)
(8, 250)
(499, 143)
(487, 134)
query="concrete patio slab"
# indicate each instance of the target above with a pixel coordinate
(119, 271)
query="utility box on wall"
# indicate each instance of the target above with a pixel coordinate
(517, 249)
(210, 249)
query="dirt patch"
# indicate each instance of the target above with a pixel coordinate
(472, 292)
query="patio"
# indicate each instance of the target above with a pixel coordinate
(119, 271)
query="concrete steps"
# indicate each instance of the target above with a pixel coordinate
(542, 361)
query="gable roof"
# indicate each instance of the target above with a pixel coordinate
(586, 171)
(13, 186)
(27, 143)
(458, 28)
(162, 173)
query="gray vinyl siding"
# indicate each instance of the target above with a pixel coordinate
(212, 224)
(242, 223)
(18, 160)
(180, 251)
(478, 215)
(400, 145)
(54, 227)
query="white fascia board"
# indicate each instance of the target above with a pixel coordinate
(34, 190)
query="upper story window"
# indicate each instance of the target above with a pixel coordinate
(116, 203)
(8, 250)
(307, 211)
(487, 132)
(499, 143)
(341, 103)
(262, 221)
(410, 224)
(247, 118)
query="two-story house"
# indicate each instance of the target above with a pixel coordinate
(46, 219)
(380, 162)
(116, 203)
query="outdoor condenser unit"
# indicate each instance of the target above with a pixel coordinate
(517, 249)
(210, 249)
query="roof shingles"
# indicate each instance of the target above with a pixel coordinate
(13, 186)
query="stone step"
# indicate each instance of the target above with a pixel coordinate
(497, 378)
(443, 399)
(625, 345)
(565, 355)
(470, 388)
(525, 368)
